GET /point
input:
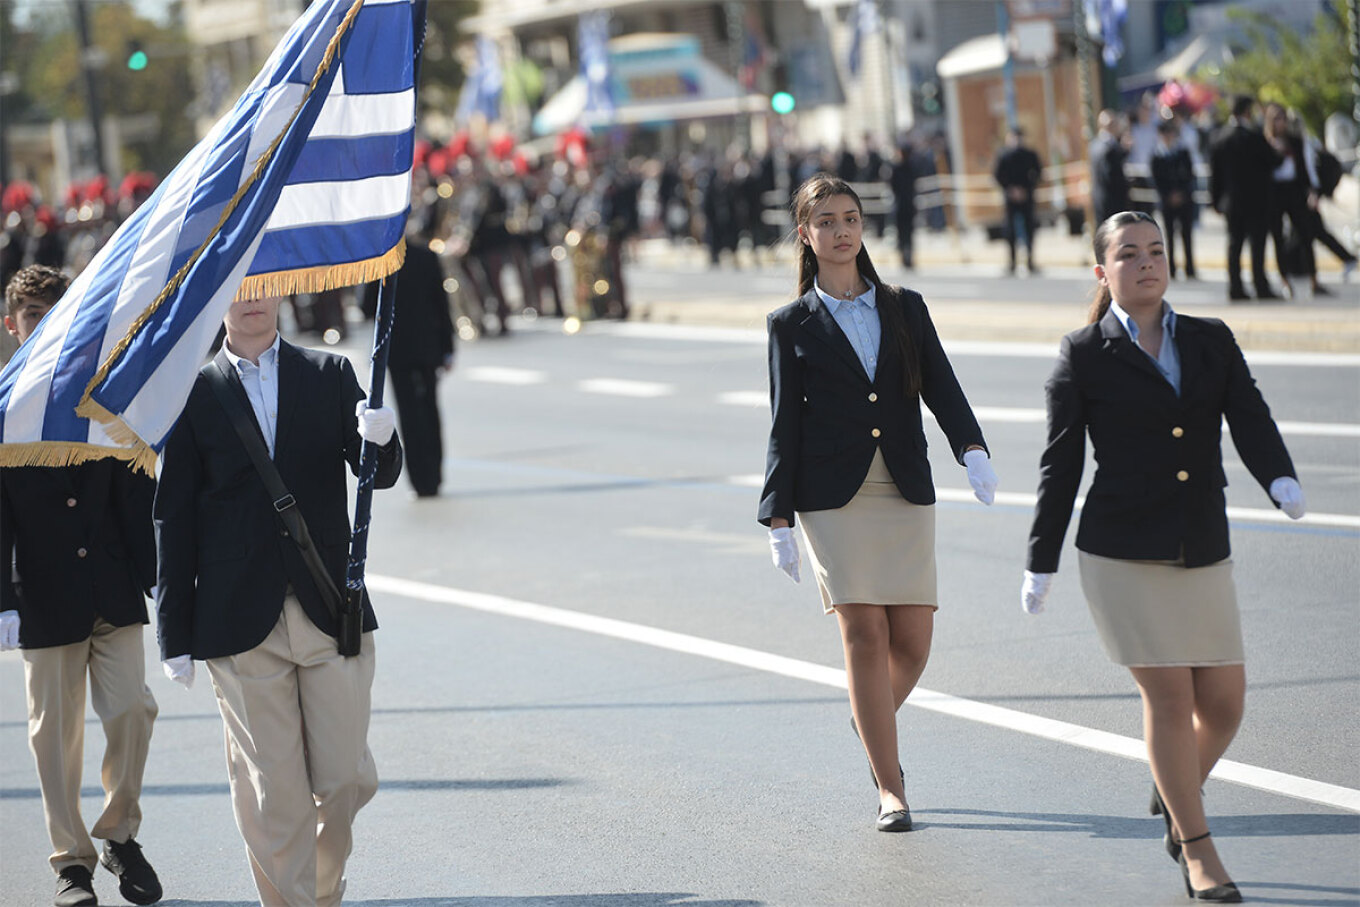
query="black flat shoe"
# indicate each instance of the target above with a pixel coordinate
(1158, 808)
(897, 820)
(1226, 893)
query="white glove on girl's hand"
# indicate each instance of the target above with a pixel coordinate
(784, 551)
(180, 669)
(9, 630)
(375, 425)
(1035, 591)
(1286, 492)
(980, 475)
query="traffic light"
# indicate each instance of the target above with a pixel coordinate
(136, 57)
(782, 102)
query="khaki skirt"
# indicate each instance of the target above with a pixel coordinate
(879, 549)
(1162, 613)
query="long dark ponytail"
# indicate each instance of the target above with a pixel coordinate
(816, 189)
(1100, 245)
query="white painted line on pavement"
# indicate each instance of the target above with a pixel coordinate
(1025, 499)
(621, 387)
(1017, 350)
(494, 374)
(967, 709)
(745, 398)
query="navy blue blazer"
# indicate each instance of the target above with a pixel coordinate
(225, 559)
(829, 418)
(1158, 489)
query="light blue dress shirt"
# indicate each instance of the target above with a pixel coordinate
(1167, 360)
(262, 387)
(859, 321)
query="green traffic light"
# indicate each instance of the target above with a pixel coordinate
(137, 61)
(782, 102)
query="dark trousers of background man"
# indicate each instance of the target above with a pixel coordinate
(1180, 218)
(1020, 228)
(1253, 232)
(417, 393)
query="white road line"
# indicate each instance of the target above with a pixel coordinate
(745, 398)
(494, 374)
(621, 387)
(756, 335)
(1024, 499)
(997, 716)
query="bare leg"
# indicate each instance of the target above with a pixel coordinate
(1181, 735)
(865, 634)
(910, 628)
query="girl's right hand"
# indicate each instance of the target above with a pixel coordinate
(1035, 591)
(784, 551)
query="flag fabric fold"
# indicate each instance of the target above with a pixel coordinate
(865, 22)
(304, 185)
(592, 38)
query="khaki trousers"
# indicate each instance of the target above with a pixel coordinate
(295, 714)
(54, 676)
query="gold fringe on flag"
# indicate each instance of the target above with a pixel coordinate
(98, 413)
(324, 277)
(73, 453)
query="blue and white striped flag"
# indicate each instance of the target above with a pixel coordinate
(592, 37)
(865, 21)
(482, 91)
(304, 185)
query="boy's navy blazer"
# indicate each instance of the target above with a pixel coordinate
(1157, 493)
(225, 559)
(829, 418)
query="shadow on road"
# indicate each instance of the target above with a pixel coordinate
(1270, 825)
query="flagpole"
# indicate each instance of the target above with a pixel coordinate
(382, 333)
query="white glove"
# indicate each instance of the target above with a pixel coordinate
(980, 475)
(784, 551)
(1035, 591)
(375, 425)
(180, 669)
(9, 630)
(1286, 492)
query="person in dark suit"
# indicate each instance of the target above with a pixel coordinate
(1017, 172)
(1241, 164)
(234, 591)
(422, 348)
(1173, 176)
(1152, 388)
(1109, 184)
(850, 362)
(902, 179)
(77, 558)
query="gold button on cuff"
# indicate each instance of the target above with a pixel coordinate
(873, 398)
(875, 433)
(81, 552)
(1177, 432)
(1182, 476)
(70, 502)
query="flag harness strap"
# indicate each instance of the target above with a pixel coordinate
(285, 505)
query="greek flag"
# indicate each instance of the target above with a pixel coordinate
(865, 20)
(482, 91)
(593, 45)
(304, 185)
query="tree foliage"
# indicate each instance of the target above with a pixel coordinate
(441, 71)
(1308, 73)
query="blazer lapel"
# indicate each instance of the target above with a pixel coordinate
(822, 325)
(1119, 344)
(220, 361)
(291, 375)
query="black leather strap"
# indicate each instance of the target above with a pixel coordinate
(284, 503)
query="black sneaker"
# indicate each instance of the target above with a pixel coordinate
(136, 879)
(75, 888)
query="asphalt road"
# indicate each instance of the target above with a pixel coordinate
(593, 688)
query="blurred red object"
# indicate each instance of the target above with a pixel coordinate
(421, 152)
(459, 145)
(137, 185)
(437, 161)
(98, 190)
(502, 146)
(18, 194)
(521, 163)
(573, 146)
(1187, 96)
(45, 217)
(72, 197)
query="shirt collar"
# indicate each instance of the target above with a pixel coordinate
(238, 363)
(869, 296)
(1131, 326)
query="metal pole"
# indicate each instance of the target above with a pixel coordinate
(382, 333)
(88, 64)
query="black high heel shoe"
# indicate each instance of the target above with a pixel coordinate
(1158, 808)
(1226, 893)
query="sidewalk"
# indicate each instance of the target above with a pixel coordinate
(1324, 324)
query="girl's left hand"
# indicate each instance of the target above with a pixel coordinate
(981, 475)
